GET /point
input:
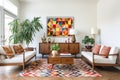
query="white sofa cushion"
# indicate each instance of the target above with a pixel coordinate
(19, 58)
(114, 50)
(1, 50)
(88, 55)
(98, 58)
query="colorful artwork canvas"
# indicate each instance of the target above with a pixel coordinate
(59, 26)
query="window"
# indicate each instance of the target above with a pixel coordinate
(7, 31)
(8, 11)
(1, 2)
(9, 6)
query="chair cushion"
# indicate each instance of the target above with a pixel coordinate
(19, 58)
(96, 49)
(114, 50)
(18, 49)
(105, 51)
(87, 55)
(2, 51)
(98, 58)
(2, 57)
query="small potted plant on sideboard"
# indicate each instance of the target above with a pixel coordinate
(89, 42)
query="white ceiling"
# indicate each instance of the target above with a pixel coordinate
(56, 0)
(28, 0)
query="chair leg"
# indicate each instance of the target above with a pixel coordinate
(92, 67)
(42, 55)
(23, 66)
(35, 57)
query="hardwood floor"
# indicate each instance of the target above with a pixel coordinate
(11, 73)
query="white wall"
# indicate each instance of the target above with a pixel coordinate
(16, 2)
(83, 11)
(109, 22)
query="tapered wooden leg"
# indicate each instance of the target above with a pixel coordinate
(23, 66)
(35, 57)
(42, 55)
(92, 67)
(52, 67)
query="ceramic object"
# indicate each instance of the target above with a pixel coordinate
(43, 38)
(54, 53)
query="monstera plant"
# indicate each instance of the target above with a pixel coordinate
(25, 30)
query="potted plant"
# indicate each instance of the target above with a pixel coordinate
(55, 48)
(89, 42)
(25, 30)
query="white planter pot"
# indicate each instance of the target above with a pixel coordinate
(54, 53)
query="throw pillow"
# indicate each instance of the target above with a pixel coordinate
(18, 49)
(96, 49)
(105, 51)
(8, 51)
(21, 48)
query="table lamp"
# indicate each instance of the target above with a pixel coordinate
(72, 33)
(94, 32)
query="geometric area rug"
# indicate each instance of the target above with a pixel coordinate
(41, 68)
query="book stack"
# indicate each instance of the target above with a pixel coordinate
(66, 55)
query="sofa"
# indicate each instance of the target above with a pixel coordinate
(98, 59)
(17, 59)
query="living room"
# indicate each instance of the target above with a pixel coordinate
(102, 15)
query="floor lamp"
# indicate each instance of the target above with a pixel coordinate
(72, 33)
(94, 33)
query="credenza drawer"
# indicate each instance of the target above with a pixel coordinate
(54, 60)
(67, 60)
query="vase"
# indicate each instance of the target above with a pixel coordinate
(89, 47)
(54, 53)
(43, 38)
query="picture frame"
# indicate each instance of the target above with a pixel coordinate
(59, 26)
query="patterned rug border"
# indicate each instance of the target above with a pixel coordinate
(40, 68)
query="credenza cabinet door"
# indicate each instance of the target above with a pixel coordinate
(73, 48)
(44, 48)
(63, 48)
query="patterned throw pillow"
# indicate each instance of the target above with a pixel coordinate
(96, 49)
(18, 49)
(105, 51)
(8, 51)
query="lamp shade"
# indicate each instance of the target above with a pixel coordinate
(93, 30)
(72, 31)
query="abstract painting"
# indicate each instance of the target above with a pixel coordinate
(59, 26)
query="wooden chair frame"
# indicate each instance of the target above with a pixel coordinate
(21, 63)
(104, 64)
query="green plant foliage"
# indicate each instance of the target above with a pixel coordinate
(88, 40)
(14, 27)
(25, 30)
(55, 47)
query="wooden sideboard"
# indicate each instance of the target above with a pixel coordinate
(73, 48)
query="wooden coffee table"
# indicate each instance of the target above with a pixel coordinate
(60, 60)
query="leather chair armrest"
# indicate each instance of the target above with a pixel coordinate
(30, 49)
(95, 54)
